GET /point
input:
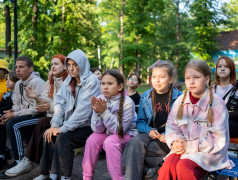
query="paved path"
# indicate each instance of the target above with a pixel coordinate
(101, 172)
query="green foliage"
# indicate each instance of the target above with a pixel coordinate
(231, 15)
(153, 29)
(205, 23)
(56, 31)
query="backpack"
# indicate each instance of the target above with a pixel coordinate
(232, 102)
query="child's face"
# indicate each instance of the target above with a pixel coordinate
(110, 87)
(223, 71)
(196, 82)
(73, 68)
(10, 84)
(133, 82)
(161, 80)
(98, 74)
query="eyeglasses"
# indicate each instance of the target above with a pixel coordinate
(134, 80)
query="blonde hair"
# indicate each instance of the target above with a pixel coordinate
(202, 67)
(169, 67)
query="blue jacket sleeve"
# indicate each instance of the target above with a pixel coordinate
(142, 120)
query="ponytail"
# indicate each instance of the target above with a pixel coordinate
(120, 112)
(180, 110)
(153, 105)
(210, 113)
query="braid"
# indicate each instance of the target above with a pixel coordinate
(169, 100)
(180, 110)
(210, 114)
(170, 96)
(153, 104)
(120, 111)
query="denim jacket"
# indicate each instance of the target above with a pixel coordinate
(145, 113)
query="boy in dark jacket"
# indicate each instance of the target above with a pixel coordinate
(6, 104)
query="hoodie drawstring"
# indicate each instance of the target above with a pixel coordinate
(21, 86)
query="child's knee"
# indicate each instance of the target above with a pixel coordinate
(111, 142)
(183, 167)
(10, 124)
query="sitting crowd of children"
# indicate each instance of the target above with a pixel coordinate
(186, 135)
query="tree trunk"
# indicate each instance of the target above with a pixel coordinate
(34, 21)
(63, 12)
(178, 40)
(138, 65)
(121, 65)
(8, 31)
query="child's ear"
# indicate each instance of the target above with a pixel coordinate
(31, 68)
(120, 87)
(171, 80)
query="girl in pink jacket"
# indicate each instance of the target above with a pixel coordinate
(197, 130)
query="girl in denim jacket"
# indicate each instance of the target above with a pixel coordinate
(113, 123)
(197, 130)
(147, 149)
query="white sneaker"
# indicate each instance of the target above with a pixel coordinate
(23, 167)
(41, 177)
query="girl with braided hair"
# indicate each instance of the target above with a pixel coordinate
(147, 149)
(197, 130)
(113, 123)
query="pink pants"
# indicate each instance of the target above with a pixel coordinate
(113, 146)
(175, 168)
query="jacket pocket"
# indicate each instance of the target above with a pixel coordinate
(199, 128)
(183, 125)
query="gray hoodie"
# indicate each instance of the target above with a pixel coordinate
(69, 112)
(22, 105)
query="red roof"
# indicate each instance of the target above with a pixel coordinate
(228, 40)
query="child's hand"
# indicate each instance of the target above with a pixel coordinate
(53, 131)
(154, 134)
(44, 106)
(179, 146)
(9, 114)
(30, 93)
(162, 138)
(98, 105)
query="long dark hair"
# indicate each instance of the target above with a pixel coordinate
(120, 79)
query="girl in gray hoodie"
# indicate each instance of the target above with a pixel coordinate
(70, 124)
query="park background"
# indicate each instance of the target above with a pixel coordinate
(126, 34)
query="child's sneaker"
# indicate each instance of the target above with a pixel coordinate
(42, 177)
(3, 164)
(23, 167)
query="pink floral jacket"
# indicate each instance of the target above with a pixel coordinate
(207, 143)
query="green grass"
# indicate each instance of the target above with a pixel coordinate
(142, 88)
